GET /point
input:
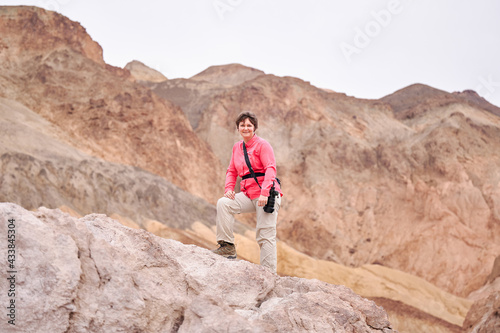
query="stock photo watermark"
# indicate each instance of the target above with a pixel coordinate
(53, 5)
(11, 271)
(487, 86)
(222, 7)
(363, 36)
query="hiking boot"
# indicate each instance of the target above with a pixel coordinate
(226, 250)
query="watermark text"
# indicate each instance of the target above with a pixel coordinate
(487, 86)
(365, 35)
(11, 271)
(222, 7)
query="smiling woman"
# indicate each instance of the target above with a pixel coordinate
(252, 160)
(247, 129)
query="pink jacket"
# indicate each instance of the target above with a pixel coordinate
(261, 157)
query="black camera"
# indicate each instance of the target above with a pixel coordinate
(269, 207)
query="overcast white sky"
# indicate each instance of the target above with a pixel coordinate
(364, 48)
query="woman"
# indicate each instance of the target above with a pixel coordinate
(254, 193)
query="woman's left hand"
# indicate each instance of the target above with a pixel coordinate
(262, 200)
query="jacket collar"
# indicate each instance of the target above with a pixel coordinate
(252, 141)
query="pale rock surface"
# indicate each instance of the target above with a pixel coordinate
(484, 316)
(495, 271)
(141, 72)
(95, 275)
(434, 306)
(491, 286)
(124, 220)
(229, 75)
(486, 290)
(412, 303)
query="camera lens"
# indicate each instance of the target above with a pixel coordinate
(269, 207)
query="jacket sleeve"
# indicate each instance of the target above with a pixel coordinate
(269, 164)
(231, 174)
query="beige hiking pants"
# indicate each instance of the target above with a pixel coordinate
(266, 225)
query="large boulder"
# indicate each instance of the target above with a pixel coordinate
(94, 275)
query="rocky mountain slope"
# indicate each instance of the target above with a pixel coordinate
(384, 181)
(373, 188)
(99, 276)
(37, 169)
(51, 65)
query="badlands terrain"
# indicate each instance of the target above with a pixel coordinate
(397, 199)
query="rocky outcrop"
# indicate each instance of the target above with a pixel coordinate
(473, 97)
(419, 98)
(95, 275)
(42, 30)
(141, 72)
(98, 106)
(192, 96)
(195, 94)
(228, 75)
(484, 315)
(37, 168)
(412, 303)
(382, 182)
(495, 271)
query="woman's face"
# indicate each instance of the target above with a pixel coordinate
(246, 129)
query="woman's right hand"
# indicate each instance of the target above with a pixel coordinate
(230, 194)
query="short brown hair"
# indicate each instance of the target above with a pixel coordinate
(247, 115)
